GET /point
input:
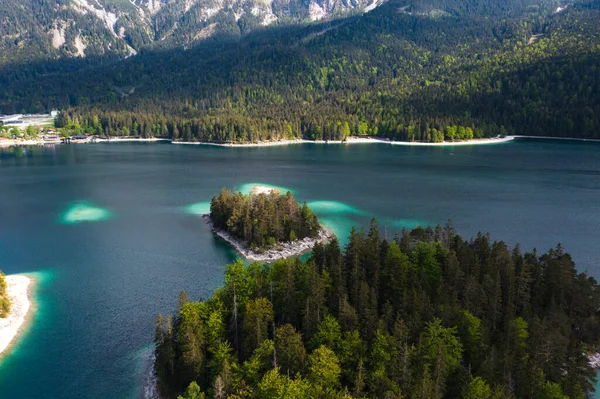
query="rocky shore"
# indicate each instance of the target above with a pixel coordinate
(282, 250)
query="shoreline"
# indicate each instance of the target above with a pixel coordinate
(17, 143)
(556, 138)
(19, 290)
(349, 140)
(11, 143)
(259, 144)
(130, 139)
(286, 250)
(353, 140)
(494, 140)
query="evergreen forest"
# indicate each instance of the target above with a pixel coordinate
(262, 220)
(425, 314)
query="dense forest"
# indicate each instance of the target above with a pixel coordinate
(428, 71)
(426, 314)
(262, 220)
(4, 299)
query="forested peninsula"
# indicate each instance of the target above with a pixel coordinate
(265, 224)
(426, 314)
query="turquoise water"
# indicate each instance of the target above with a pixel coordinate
(83, 211)
(103, 281)
(197, 208)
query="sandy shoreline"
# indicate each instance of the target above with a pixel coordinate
(259, 144)
(18, 291)
(349, 140)
(131, 139)
(355, 140)
(10, 143)
(285, 249)
(495, 140)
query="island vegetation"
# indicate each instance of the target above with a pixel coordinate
(262, 220)
(4, 299)
(426, 314)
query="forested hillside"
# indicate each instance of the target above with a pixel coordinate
(425, 315)
(418, 70)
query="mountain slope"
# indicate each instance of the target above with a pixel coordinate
(395, 73)
(40, 29)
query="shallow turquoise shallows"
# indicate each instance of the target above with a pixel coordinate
(83, 211)
(138, 239)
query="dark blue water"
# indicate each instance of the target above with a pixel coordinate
(101, 284)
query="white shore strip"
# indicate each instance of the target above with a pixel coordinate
(495, 140)
(259, 144)
(283, 250)
(556, 138)
(355, 140)
(9, 143)
(18, 293)
(130, 139)
(349, 140)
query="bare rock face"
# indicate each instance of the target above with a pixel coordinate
(79, 28)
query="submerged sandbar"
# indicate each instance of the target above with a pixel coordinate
(84, 212)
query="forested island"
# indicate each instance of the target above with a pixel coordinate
(426, 314)
(265, 224)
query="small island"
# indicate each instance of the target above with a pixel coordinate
(14, 306)
(265, 225)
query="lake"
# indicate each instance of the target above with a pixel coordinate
(101, 283)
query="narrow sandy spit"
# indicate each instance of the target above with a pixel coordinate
(18, 291)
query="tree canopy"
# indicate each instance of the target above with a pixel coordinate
(424, 315)
(263, 220)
